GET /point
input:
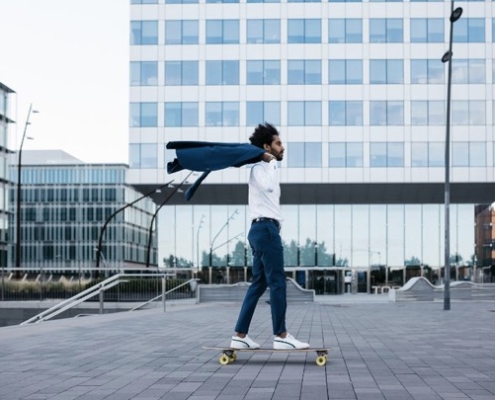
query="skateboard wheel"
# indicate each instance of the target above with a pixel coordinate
(233, 357)
(224, 359)
(321, 360)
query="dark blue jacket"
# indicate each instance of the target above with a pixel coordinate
(210, 156)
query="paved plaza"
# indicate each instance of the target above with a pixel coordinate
(381, 350)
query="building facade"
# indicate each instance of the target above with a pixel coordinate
(64, 204)
(358, 91)
(6, 121)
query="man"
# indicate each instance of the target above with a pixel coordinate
(264, 239)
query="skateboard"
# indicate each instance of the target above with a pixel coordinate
(229, 355)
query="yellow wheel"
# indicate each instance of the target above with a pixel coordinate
(224, 359)
(233, 357)
(321, 360)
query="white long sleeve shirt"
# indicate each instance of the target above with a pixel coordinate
(264, 191)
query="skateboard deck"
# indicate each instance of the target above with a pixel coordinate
(229, 355)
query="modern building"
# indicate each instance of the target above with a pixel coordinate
(64, 204)
(5, 123)
(358, 91)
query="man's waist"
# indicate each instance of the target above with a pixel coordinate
(266, 219)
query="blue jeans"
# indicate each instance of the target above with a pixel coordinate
(268, 271)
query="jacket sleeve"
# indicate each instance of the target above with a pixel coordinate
(264, 178)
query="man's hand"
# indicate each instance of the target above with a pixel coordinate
(267, 157)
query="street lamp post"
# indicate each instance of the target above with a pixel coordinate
(104, 227)
(19, 185)
(447, 57)
(197, 240)
(150, 232)
(221, 229)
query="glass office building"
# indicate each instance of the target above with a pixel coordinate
(358, 92)
(6, 95)
(64, 204)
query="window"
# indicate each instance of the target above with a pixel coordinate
(470, 30)
(222, 113)
(345, 1)
(181, 114)
(304, 72)
(427, 30)
(144, 32)
(342, 72)
(427, 71)
(143, 155)
(181, 32)
(220, 31)
(304, 113)
(345, 155)
(468, 70)
(386, 72)
(144, 1)
(181, 73)
(181, 1)
(424, 113)
(345, 30)
(386, 30)
(345, 113)
(222, 1)
(427, 154)
(263, 1)
(304, 31)
(263, 72)
(304, 155)
(386, 113)
(469, 154)
(144, 73)
(258, 112)
(466, 112)
(143, 115)
(222, 72)
(389, 154)
(263, 31)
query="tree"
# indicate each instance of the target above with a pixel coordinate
(412, 261)
(238, 259)
(173, 262)
(456, 258)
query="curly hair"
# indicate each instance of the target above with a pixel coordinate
(263, 134)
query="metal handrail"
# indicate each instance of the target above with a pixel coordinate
(85, 295)
(167, 292)
(71, 299)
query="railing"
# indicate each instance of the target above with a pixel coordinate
(93, 291)
(61, 284)
(192, 283)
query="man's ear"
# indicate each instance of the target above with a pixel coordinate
(266, 147)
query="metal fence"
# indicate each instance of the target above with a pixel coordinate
(61, 284)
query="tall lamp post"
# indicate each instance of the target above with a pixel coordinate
(104, 227)
(150, 232)
(447, 58)
(197, 241)
(221, 229)
(19, 184)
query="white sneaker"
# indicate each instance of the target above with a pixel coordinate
(243, 343)
(288, 343)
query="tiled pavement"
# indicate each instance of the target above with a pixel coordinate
(380, 351)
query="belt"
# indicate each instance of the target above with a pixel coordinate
(264, 219)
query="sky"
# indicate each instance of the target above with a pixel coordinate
(70, 59)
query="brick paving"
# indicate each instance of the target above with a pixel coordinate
(393, 351)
